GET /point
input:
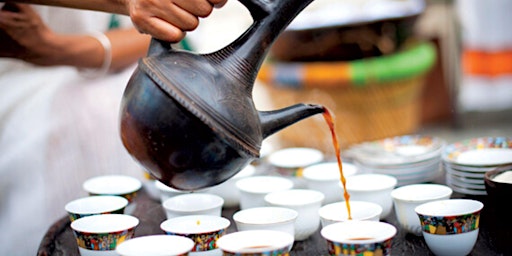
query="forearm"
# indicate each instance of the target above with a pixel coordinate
(111, 6)
(128, 46)
(166, 20)
(85, 51)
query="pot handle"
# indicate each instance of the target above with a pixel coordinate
(157, 46)
(259, 9)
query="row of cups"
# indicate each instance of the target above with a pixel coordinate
(300, 211)
(405, 199)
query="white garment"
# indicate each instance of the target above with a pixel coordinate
(57, 128)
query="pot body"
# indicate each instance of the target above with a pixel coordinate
(170, 142)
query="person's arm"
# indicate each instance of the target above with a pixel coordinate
(111, 6)
(38, 44)
(163, 19)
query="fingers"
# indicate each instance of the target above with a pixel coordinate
(23, 15)
(198, 8)
(169, 19)
(10, 19)
(21, 8)
(162, 30)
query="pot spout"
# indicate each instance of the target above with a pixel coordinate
(275, 120)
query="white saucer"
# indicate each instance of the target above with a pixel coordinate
(479, 152)
(397, 151)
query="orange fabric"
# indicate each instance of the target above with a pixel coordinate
(328, 74)
(487, 63)
(317, 74)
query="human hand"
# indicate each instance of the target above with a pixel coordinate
(169, 20)
(23, 33)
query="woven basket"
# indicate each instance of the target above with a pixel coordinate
(370, 99)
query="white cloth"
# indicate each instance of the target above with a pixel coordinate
(57, 128)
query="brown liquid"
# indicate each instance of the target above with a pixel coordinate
(329, 119)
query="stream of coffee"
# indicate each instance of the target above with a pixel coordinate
(329, 119)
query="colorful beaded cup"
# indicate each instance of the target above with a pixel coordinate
(450, 227)
(103, 232)
(354, 237)
(382, 248)
(451, 216)
(93, 205)
(256, 243)
(204, 230)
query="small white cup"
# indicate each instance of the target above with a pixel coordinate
(266, 217)
(290, 162)
(450, 227)
(100, 234)
(256, 242)
(93, 205)
(359, 210)
(361, 237)
(117, 185)
(325, 177)
(204, 230)
(306, 202)
(156, 245)
(228, 190)
(372, 187)
(406, 198)
(254, 189)
(193, 204)
(166, 192)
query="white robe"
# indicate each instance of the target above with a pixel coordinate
(57, 128)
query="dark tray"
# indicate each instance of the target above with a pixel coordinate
(495, 236)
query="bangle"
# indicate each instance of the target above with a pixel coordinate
(107, 57)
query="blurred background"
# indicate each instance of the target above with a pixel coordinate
(383, 68)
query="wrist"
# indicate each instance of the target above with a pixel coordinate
(107, 56)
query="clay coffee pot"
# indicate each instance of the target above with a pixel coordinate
(190, 120)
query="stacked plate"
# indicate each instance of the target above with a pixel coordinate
(465, 162)
(410, 158)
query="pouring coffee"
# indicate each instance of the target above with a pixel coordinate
(190, 120)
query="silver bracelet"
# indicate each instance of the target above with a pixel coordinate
(107, 57)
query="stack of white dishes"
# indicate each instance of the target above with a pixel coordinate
(410, 158)
(465, 162)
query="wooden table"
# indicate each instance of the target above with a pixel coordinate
(495, 236)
